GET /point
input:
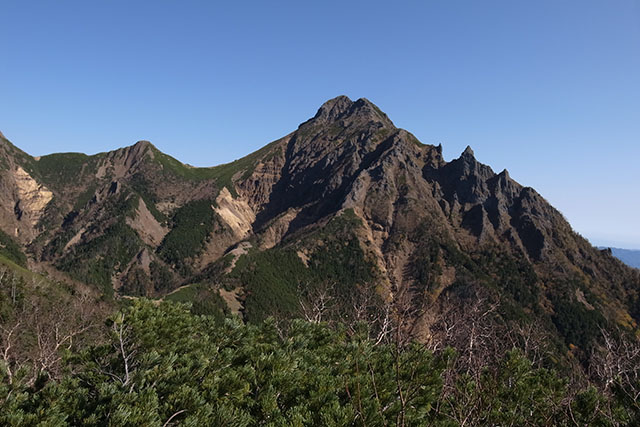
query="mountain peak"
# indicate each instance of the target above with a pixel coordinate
(131, 156)
(342, 107)
(142, 144)
(140, 147)
(468, 152)
(334, 108)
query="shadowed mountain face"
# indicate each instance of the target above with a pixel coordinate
(347, 199)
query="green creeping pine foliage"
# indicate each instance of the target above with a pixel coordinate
(136, 283)
(162, 278)
(577, 324)
(202, 298)
(95, 261)
(162, 362)
(273, 278)
(10, 250)
(192, 224)
(516, 276)
(162, 365)
(341, 260)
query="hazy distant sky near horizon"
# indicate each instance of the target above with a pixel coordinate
(548, 89)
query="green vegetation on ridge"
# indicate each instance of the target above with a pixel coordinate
(96, 261)
(222, 174)
(273, 279)
(191, 225)
(60, 170)
(11, 250)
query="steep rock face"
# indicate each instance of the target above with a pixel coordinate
(324, 157)
(25, 198)
(147, 226)
(125, 161)
(236, 213)
(11, 160)
(257, 187)
(32, 196)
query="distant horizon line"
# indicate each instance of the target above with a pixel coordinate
(598, 243)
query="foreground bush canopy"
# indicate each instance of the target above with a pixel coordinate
(162, 365)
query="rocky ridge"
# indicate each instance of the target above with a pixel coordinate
(402, 220)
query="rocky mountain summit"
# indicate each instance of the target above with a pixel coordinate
(347, 201)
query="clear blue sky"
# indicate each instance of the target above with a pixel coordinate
(549, 89)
